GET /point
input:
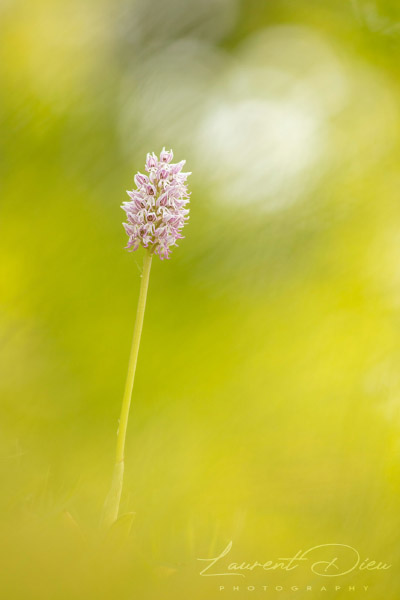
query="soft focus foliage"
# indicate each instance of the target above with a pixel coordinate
(267, 400)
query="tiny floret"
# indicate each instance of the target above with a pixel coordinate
(156, 212)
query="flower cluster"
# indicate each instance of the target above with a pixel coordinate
(156, 212)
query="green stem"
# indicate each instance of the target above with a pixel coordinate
(111, 506)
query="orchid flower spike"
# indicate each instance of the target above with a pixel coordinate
(156, 212)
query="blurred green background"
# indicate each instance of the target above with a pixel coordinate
(266, 407)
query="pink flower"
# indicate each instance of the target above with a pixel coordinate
(140, 179)
(156, 212)
(166, 156)
(151, 161)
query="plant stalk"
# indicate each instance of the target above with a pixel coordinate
(111, 506)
